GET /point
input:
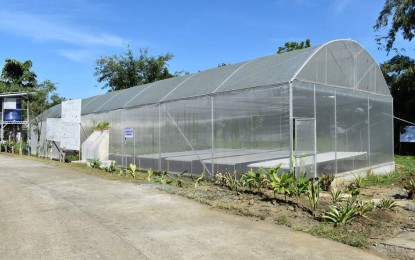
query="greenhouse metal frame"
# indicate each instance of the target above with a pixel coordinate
(324, 109)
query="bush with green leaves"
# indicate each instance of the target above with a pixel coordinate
(340, 215)
(132, 169)
(94, 163)
(163, 178)
(228, 180)
(364, 207)
(410, 187)
(313, 195)
(336, 195)
(299, 186)
(112, 168)
(278, 183)
(253, 180)
(325, 181)
(72, 157)
(179, 178)
(149, 174)
(199, 179)
(388, 204)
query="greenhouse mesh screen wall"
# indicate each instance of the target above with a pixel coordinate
(325, 109)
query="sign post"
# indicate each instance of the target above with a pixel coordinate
(129, 133)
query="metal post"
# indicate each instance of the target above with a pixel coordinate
(315, 132)
(159, 146)
(290, 86)
(368, 130)
(335, 131)
(134, 146)
(213, 132)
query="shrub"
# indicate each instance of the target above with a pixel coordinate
(326, 180)
(112, 168)
(72, 157)
(313, 195)
(336, 195)
(410, 187)
(94, 163)
(253, 180)
(364, 207)
(340, 215)
(388, 204)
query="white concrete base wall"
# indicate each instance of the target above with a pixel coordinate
(96, 146)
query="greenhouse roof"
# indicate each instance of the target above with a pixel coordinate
(339, 63)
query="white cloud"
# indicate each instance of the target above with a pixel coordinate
(77, 55)
(340, 5)
(44, 28)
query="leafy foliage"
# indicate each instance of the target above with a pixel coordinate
(336, 195)
(313, 195)
(125, 71)
(253, 180)
(397, 16)
(364, 207)
(132, 168)
(388, 204)
(17, 76)
(112, 168)
(149, 174)
(94, 163)
(340, 215)
(325, 181)
(299, 186)
(410, 187)
(199, 180)
(279, 184)
(228, 180)
(291, 46)
(162, 178)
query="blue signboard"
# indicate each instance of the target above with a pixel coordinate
(128, 132)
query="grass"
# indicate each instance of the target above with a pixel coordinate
(340, 234)
(405, 167)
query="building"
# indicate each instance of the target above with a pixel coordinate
(324, 109)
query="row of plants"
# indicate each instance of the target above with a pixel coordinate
(14, 147)
(286, 184)
(345, 203)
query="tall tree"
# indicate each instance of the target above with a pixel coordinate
(291, 46)
(396, 16)
(125, 71)
(17, 76)
(399, 73)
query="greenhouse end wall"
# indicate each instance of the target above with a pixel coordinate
(353, 127)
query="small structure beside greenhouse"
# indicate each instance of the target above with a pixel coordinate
(324, 109)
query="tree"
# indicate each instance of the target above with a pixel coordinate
(399, 73)
(400, 15)
(291, 46)
(17, 76)
(125, 71)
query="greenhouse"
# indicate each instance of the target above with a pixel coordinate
(324, 109)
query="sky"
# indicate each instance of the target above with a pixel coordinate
(64, 38)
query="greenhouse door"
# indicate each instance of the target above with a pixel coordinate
(305, 146)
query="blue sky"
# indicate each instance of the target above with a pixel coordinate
(64, 38)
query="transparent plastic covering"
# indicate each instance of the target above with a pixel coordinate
(325, 109)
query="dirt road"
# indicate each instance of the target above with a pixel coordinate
(57, 213)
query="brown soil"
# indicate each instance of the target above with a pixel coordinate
(366, 232)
